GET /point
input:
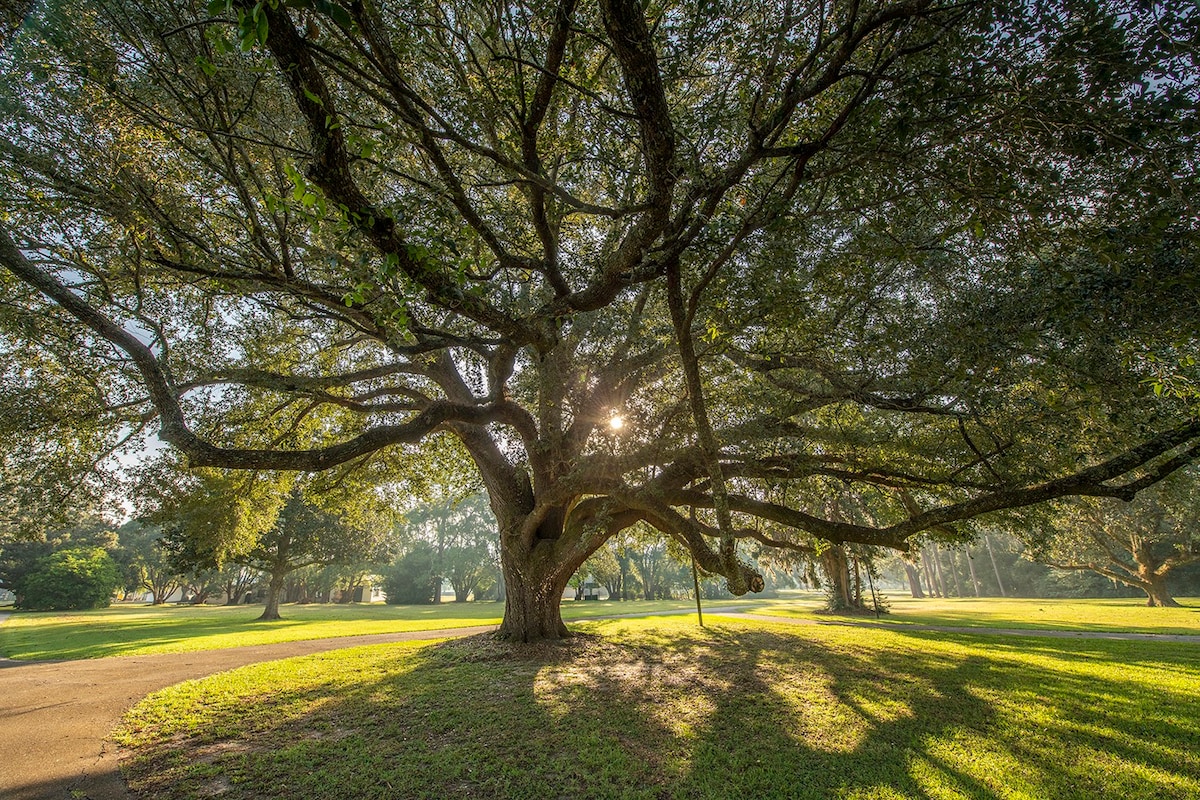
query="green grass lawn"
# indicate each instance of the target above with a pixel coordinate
(140, 629)
(662, 709)
(1117, 614)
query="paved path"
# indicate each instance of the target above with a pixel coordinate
(56, 715)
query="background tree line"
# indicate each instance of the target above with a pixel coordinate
(1082, 552)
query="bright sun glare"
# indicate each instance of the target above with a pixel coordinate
(616, 423)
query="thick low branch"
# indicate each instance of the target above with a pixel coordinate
(174, 429)
(740, 577)
(1094, 482)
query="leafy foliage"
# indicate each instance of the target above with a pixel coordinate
(71, 579)
(411, 578)
(1138, 544)
(937, 257)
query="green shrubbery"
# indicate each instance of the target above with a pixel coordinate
(76, 578)
(410, 578)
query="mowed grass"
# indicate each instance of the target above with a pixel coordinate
(1109, 614)
(142, 629)
(128, 630)
(662, 709)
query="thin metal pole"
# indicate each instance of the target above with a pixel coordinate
(695, 573)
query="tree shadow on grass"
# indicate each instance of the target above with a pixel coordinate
(730, 711)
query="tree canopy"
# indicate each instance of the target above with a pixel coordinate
(1137, 544)
(698, 265)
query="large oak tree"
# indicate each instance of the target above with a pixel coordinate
(706, 266)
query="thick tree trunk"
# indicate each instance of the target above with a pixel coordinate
(532, 603)
(837, 573)
(1157, 594)
(914, 580)
(535, 578)
(274, 590)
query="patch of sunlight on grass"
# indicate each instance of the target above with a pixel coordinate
(939, 781)
(877, 710)
(557, 691)
(1107, 614)
(815, 718)
(659, 709)
(139, 629)
(971, 762)
(872, 793)
(143, 630)
(255, 697)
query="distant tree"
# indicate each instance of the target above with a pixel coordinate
(271, 523)
(462, 533)
(71, 579)
(1138, 544)
(605, 567)
(351, 578)
(148, 565)
(410, 579)
(20, 553)
(196, 560)
(235, 580)
(303, 536)
(469, 569)
(659, 573)
(199, 585)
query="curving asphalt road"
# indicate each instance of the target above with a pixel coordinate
(55, 716)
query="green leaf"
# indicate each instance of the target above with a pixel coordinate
(335, 12)
(206, 66)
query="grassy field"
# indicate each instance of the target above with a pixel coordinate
(141, 629)
(660, 709)
(1116, 614)
(125, 630)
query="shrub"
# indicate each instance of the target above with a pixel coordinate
(77, 578)
(410, 579)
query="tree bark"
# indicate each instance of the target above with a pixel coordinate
(837, 573)
(914, 580)
(274, 589)
(532, 601)
(1157, 594)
